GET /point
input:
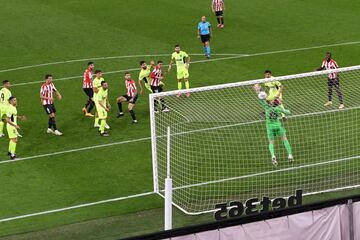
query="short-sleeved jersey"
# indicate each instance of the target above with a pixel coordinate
(156, 77)
(329, 65)
(179, 59)
(218, 5)
(130, 87)
(274, 88)
(47, 90)
(204, 28)
(273, 113)
(5, 94)
(145, 74)
(12, 113)
(101, 96)
(87, 80)
(97, 83)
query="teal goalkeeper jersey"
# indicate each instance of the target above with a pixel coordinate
(273, 114)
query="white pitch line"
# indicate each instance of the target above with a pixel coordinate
(105, 58)
(233, 56)
(267, 172)
(129, 70)
(75, 207)
(174, 134)
(77, 150)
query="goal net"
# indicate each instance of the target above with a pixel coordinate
(219, 143)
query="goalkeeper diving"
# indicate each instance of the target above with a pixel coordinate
(274, 128)
(275, 90)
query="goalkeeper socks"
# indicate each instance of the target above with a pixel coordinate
(272, 149)
(12, 147)
(120, 106)
(132, 113)
(179, 85)
(288, 147)
(102, 125)
(187, 84)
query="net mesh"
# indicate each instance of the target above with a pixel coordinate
(219, 145)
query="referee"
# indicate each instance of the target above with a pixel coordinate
(204, 33)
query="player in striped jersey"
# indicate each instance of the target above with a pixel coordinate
(218, 7)
(47, 100)
(103, 107)
(88, 89)
(157, 87)
(5, 95)
(144, 75)
(333, 80)
(182, 60)
(131, 97)
(12, 127)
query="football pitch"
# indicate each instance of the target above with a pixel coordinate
(80, 167)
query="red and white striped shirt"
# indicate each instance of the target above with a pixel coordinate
(131, 87)
(47, 91)
(87, 82)
(218, 5)
(329, 65)
(156, 77)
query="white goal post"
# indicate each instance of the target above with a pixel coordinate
(219, 142)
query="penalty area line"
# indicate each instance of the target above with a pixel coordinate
(75, 207)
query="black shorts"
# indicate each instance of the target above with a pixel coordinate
(219, 13)
(205, 38)
(128, 98)
(89, 92)
(156, 89)
(49, 108)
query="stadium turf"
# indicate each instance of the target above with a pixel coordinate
(36, 32)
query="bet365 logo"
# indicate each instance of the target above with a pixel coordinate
(253, 206)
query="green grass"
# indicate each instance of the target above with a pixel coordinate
(35, 32)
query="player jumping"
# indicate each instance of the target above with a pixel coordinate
(5, 95)
(273, 124)
(12, 126)
(275, 90)
(144, 75)
(182, 60)
(130, 97)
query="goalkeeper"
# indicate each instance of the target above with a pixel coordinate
(273, 125)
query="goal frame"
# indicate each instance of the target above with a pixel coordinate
(153, 96)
